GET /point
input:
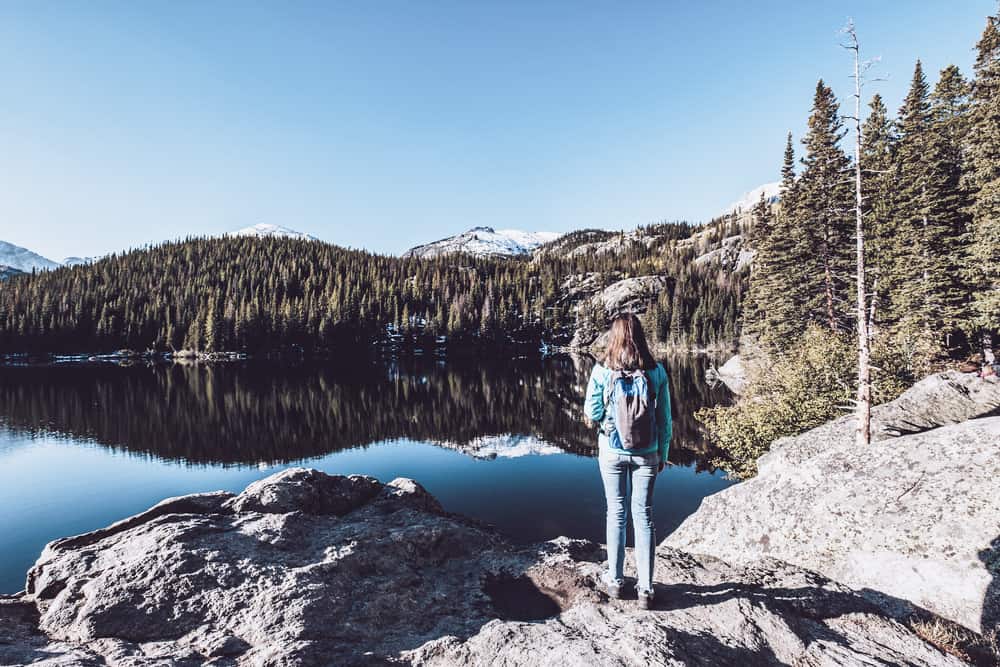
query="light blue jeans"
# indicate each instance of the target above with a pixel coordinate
(629, 480)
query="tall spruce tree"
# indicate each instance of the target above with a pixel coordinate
(930, 296)
(777, 266)
(879, 189)
(823, 213)
(757, 237)
(947, 206)
(984, 153)
(907, 309)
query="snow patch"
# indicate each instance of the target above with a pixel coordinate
(771, 192)
(485, 242)
(80, 261)
(22, 259)
(506, 446)
(266, 230)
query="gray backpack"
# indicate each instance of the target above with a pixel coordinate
(630, 411)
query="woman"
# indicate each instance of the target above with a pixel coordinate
(629, 462)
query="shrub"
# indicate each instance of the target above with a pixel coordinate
(813, 381)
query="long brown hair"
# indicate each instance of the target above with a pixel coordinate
(627, 348)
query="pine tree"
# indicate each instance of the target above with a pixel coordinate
(758, 237)
(879, 190)
(929, 295)
(823, 213)
(211, 332)
(984, 152)
(777, 270)
(947, 212)
(907, 279)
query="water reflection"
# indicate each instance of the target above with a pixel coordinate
(266, 413)
(82, 446)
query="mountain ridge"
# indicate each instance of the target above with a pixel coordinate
(270, 230)
(22, 259)
(485, 242)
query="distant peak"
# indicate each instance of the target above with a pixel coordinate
(771, 192)
(269, 230)
(22, 259)
(485, 241)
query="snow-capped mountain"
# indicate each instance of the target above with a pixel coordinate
(263, 230)
(771, 192)
(485, 242)
(23, 259)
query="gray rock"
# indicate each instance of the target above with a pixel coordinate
(21, 642)
(937, 400)
(915, 517)
(705, 613)
(627, 295)
(731, 254)
(304, 568)
(305, 490)
(630, 294)
(732, 374)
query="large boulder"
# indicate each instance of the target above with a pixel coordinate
(916, 516)
(937, 400)
(707, 613)
(627, 295)
(732, 374)
(304, 568)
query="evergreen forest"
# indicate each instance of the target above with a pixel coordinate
(931, 192)
(262, 295)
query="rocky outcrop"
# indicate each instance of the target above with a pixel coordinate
(732, 374)
(630, 294)
(937, 400)
(914, 516)
(730, 254)
(707, 613)
(304, 568)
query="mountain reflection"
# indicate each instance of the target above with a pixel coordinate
(263, 412)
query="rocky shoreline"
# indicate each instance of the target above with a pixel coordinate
(831, 556)
(304, 568)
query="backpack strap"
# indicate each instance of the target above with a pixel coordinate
(609, 387)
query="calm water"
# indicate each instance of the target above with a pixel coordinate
(83, 445)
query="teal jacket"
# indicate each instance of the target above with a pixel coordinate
(594, 406)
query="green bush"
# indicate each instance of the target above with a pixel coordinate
(809, 384)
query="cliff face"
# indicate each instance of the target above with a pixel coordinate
(304, 568)
(914, 516)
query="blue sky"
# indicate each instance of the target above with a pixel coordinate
(385, 124)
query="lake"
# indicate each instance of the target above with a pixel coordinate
(86, 444)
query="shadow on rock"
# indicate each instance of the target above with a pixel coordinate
(991, 601)
(301, 567)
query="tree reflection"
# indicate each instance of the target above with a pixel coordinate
(266, 412)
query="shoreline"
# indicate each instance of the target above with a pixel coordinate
(28, 359)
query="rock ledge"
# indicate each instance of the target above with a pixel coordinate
(304, 568)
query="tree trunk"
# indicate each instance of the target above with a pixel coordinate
(864, 397)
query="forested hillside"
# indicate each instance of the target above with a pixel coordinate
(931, 179)
(264, 294)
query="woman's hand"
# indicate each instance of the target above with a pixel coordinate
(663, 464)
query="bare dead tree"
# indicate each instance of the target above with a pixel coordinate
(863, 433)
